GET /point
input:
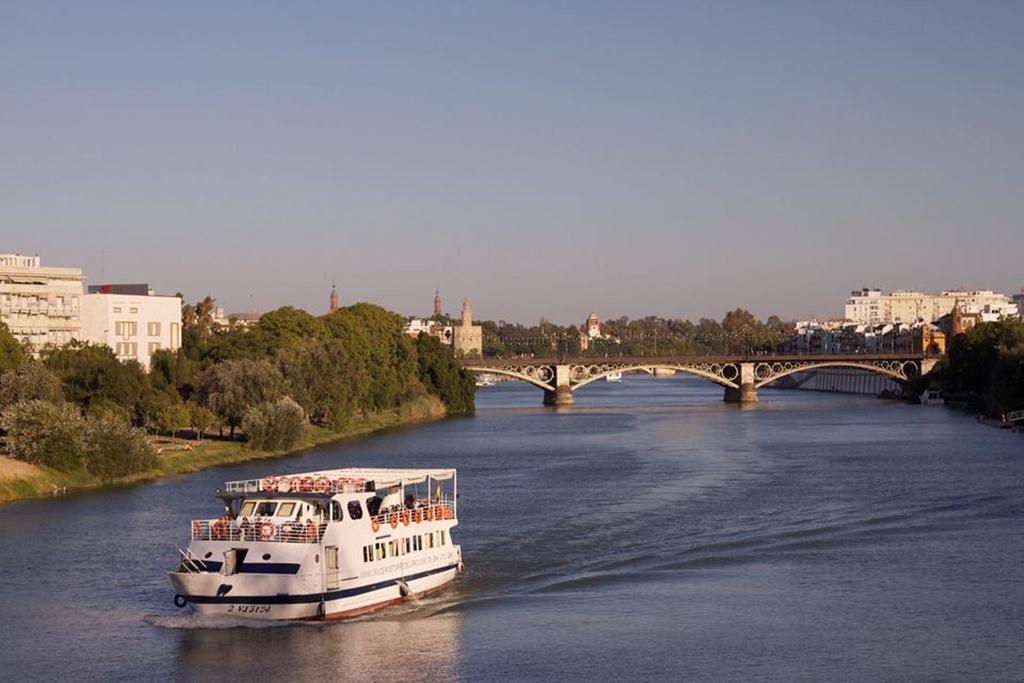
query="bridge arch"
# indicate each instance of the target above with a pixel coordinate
(521, 376)
(722, 379)
(898, 371)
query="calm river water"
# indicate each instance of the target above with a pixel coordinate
(650, 532)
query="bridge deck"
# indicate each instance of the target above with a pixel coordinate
(683, 360)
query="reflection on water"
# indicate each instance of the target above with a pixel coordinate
(406, 644)
(648, 532)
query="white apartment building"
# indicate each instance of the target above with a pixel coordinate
(40, 305)
(133, 325)
(870, 306)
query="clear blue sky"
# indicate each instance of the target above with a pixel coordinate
(543, 159)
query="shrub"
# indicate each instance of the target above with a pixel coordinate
(45, 433)
(31, 381)
(113, 448)
(274, 425)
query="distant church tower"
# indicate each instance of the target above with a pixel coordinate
(437, 303)
(334, 297)
(467, 314)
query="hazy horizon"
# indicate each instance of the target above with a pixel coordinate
(543, 160)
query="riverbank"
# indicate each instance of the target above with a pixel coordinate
(22, 481)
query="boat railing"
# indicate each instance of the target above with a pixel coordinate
(297, 484)
(404, 516)
(265, 530)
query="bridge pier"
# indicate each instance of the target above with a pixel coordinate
(560, 396)
(747, 391)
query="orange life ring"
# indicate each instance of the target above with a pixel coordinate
(449, 513)
(311, 531)
(429, 514)
(375, 525)
(418, 515)
(219, 530)
(197, 530)
(406, 518)
(439, 513)
(266, 530)
(322, 485)
(268, 483)
(306, 484)
(393, 520)
(284, 484)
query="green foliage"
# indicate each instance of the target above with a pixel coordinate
(45, 433)
(173, 370)
(444, 377)
(11, 353)
(383, 358)
(201, 420)
(228, 389)
(31, 381)
(174, 417)
(113, 448)
(738, 332)
(320, 377)
(274, 425)
(985, 362)
(91, 373)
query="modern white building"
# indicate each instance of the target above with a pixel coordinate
(870, 306)
(133, 325)
(40, 305)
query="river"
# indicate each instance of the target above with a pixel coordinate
(649, 532)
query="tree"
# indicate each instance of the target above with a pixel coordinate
(274, 425)
(319, 375)
(91, 372)
(11, 353)
(113, 448)
(202, 420)
(174, 417)
(228, 389)
(444, 377)
(45, 433)
(31, 381)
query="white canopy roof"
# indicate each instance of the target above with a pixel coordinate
(381, 477)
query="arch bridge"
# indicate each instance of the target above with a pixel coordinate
(741, 376)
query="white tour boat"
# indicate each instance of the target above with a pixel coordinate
(613, 377)
(322, 545)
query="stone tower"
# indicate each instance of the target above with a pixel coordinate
(437, 303)
(468, 339)
(334, 297)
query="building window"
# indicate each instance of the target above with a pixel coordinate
(152, 347)
(117, 309)
(153, 329)
(133, 309)
(126, 329)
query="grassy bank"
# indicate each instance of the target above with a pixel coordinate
(20, 481)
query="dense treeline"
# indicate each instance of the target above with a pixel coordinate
(985, 365)
(738, 332)
(79, 408)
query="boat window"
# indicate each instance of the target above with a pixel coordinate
(285, 509)
(373, 505)
(355, 510)
(247, 508)
(265, 509)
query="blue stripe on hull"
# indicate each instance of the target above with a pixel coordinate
(257, 567)
(311, 597)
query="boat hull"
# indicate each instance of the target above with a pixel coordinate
(200, 591)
